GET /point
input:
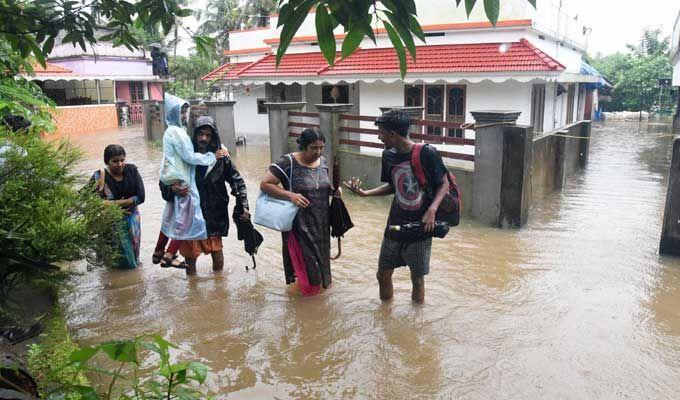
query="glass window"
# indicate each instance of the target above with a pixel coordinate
(331, 94)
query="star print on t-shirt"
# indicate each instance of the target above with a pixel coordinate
(406, 188)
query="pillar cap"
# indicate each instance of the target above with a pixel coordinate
(285, 105)
(334, 107)
(408, 109)
(495, 115)
(220, 103)
(148, 101)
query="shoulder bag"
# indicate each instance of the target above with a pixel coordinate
(274, 213)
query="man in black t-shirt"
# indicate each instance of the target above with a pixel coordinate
(411, 204)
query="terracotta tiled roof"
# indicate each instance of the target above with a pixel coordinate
(484, 57)
(50, 69)
(519, 56)
(225, 71)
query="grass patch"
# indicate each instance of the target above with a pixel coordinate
(48, 360)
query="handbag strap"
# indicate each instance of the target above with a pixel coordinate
(290, 178)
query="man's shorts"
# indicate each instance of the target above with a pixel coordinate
(194, 248)
(416, 255)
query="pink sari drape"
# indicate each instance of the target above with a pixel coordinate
(299, 266)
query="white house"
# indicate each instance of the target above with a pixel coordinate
(675, 60)
(530, 62)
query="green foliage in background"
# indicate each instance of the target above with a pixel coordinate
(187, 72)
(635, 75)
(358, 17)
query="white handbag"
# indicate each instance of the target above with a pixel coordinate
(274, 213)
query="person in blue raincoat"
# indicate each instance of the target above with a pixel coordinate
(182, 218)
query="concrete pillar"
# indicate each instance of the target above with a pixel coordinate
(584, 145)
(278, 127)
(413, 113)
(329, 125)
(560, 159)
(223, 113)
(153, 119)
(670, 232)
(502, 177)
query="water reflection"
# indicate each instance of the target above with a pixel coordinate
(575, 305)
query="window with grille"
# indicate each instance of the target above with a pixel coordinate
(136, 92)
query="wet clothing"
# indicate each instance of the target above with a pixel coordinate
(210, 182)
(194, 248)
(311, 224)
(130, 187)
(182, 218)
(410, 201)
(416, 255)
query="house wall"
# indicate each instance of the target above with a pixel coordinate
(107, 67)
(85, 119)
(510, 95)
(246, 119)
(156, 91)
(123, 92)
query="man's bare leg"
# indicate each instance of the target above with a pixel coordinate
(191, 266)
(418, 291)
(385, 283)
(217, 260)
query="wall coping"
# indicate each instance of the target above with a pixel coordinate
(334, 107)
(285, 105)
(495, 115)
(220, 103)
(87, 106)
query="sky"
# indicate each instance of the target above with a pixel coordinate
(616, 23)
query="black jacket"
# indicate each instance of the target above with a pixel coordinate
(211, 186)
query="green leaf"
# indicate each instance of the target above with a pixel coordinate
(86, 392)
(404, 32)
(324, 32)
(121, 350)
(416, 29)
(83, 355)
(291, 26)
(398, 47)
(185, 12)
(199, 371)
(352, 41)
(469, 5)
(492, 9)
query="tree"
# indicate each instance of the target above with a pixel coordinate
(635, 75)
(31, 27)
(188, 72)
(357, 17)
(222, 16)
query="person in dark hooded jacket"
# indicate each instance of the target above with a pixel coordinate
(214, 197)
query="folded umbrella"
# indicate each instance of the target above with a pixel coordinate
(340, 220)
(252, 239)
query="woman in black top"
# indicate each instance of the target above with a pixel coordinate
(120, 183)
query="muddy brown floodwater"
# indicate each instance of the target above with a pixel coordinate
(576, 305)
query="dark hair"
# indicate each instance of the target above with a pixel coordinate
(111, 151)
(394, 121)
(309, 136)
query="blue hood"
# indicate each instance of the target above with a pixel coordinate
(173, 112)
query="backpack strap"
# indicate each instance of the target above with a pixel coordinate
(417, 165)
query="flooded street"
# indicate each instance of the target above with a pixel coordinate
(576, 305)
